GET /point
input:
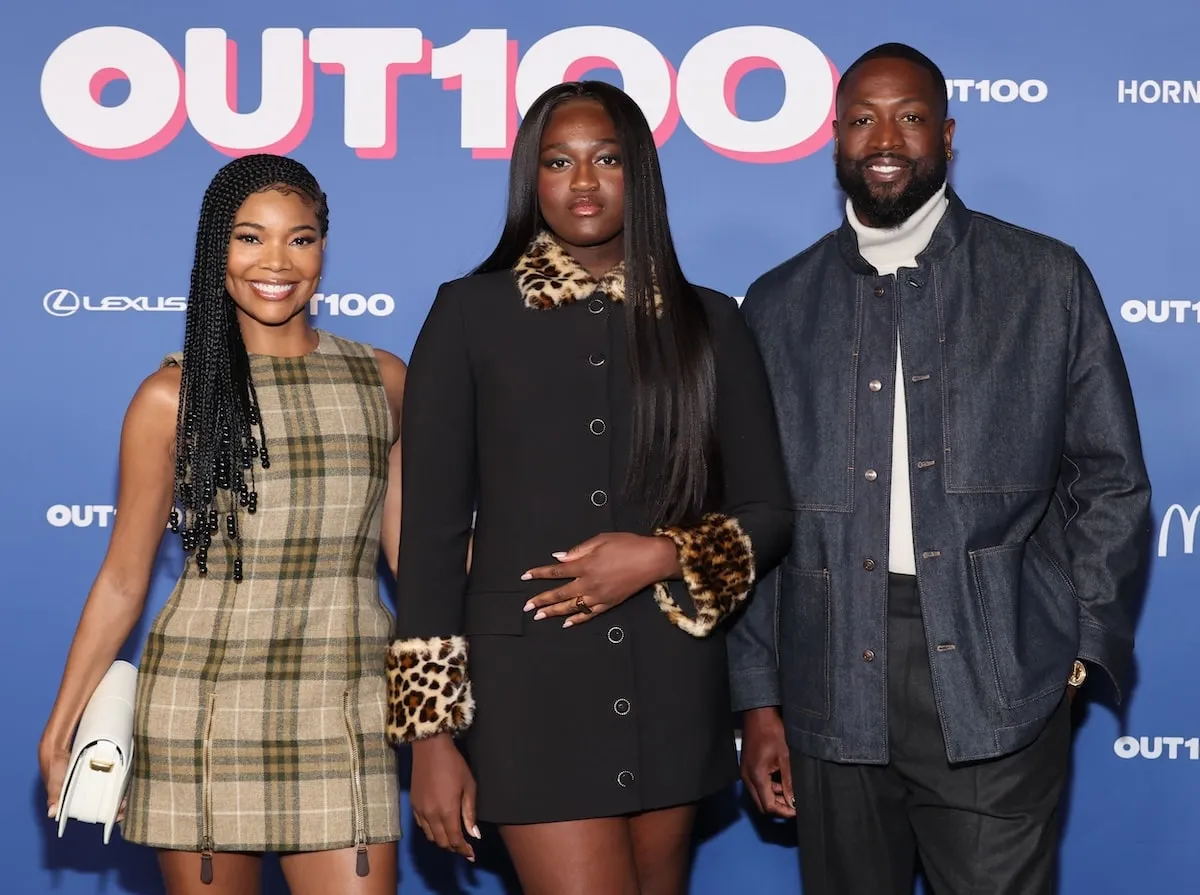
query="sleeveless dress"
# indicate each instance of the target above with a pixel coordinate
(260, 711)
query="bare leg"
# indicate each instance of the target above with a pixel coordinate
(578, 857)
(330, 872)
(232, 873)
(662, 843)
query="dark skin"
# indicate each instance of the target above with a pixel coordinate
(890, 130)
(581, 185)
(890, 121)
(581, 194)
(275, 245)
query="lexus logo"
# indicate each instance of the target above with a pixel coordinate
(64, 303)
(61, 302)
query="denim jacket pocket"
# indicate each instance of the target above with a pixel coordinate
(994, 393)
(1030, 619)
(803, 637)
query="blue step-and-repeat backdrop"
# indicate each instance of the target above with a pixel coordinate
(1079, 119)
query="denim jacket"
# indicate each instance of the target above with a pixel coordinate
(1030, 499)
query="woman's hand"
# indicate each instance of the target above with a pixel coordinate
(606, 570)
(116, 599)
(53, 762)
(443, 794)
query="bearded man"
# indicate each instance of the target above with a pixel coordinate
(971, 520)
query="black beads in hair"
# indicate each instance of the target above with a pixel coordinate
(219, 431)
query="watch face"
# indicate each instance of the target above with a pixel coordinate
(1078, 674)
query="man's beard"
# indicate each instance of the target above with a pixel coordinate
(894, 208)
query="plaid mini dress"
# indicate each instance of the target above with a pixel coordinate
(261, 706)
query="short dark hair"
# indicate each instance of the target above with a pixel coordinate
(908, 54)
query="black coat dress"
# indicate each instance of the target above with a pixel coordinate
(517, 406)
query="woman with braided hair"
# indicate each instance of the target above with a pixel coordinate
(273, 450)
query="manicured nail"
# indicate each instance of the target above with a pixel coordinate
(526, 577)
(528, 606)
(475, 832)
(539, 616)
(568, 623)
(559, 555)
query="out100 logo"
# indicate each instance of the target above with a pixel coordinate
(495, 86)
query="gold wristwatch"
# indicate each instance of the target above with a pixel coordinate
(1078, 674)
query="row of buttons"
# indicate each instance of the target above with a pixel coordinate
(597, 426)
(622, 706)
(599, 498)
(871, 475)
(876, 385)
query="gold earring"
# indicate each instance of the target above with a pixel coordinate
(949, 154)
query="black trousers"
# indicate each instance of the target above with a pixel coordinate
(981, 828)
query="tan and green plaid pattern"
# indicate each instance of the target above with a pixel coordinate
(261, 706)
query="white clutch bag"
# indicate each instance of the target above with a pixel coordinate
(102, 753)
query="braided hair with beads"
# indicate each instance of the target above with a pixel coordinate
(216, 446)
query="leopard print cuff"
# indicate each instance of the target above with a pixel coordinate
(717, 560)
(428, 689)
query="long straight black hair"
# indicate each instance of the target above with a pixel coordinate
(673, 462)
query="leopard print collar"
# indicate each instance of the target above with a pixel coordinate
(549, 277)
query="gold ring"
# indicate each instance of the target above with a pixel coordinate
(582, 606)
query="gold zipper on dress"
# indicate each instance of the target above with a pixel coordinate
(362, 866)
(206, 841)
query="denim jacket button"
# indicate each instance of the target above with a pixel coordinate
(869, 565)
(870, 475)
(868, 655)
(874, 385)
(879, 290)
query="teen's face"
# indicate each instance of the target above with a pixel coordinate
(275, 256)
(581, 184)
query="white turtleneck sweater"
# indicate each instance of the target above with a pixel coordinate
(887, 250)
